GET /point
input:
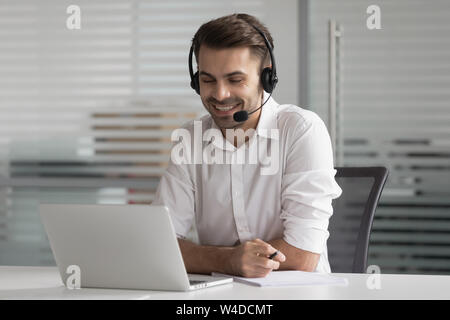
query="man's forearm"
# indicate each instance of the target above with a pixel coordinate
(204, 259)
(247, 258)
(296, 259)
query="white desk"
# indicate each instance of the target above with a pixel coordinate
(45, 283)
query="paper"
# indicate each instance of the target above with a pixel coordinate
(290, 278)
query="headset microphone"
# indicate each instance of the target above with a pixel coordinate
(241, 116)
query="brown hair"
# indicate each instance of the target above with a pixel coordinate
(233, 31)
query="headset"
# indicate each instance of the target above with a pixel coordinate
(269, 77)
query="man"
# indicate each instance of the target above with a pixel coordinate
(242, 216)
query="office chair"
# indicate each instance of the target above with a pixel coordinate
(353, 212)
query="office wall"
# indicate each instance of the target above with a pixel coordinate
(86, 114)
(393, 111)
(284, 24)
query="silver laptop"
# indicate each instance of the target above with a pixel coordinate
(119, 246)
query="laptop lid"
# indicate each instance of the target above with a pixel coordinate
(116, 246)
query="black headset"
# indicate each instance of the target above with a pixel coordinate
(269, 77)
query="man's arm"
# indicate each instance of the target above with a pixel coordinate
(296, 259)
(249, 259)
(204, 259)
(307, 193)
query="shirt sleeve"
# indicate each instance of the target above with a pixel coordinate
(308, 185)
(176, 191)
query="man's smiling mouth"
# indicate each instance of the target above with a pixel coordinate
(225, 109)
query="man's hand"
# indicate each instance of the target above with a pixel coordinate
(251, 259)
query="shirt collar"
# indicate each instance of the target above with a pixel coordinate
(268, 119)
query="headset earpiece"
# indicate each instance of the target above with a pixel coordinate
(268, 80)
(195, 83)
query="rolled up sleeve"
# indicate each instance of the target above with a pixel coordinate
(177, 192)
(308, 187)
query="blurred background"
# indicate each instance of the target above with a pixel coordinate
(86, 114)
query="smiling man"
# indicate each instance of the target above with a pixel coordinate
(244, 217)
(244, 81)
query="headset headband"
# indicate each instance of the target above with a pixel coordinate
(269, 77)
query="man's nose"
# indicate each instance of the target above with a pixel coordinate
(221, 91)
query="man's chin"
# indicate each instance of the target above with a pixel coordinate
(224, 122)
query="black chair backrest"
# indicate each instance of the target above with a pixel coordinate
(353, 212)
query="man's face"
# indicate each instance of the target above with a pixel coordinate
(229, 82)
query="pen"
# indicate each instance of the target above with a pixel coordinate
(273, 255)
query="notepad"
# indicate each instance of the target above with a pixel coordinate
(290, 278)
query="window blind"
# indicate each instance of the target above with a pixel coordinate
(86, 115)
(394, 112)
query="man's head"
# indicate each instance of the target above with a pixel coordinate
(230, 55)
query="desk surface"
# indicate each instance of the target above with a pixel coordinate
(45, 283)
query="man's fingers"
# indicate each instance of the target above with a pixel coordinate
(265, 249)
(265, 263)
(260, 272)
(256, 261)
(280, 257)
(256, 271)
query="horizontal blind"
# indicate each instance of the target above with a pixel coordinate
(394, 112)
(82, 110)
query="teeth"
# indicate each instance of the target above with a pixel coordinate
(224, 108)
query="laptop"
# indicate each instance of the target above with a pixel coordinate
(119, 246)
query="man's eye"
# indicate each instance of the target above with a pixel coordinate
(207, 81)
(235, 80)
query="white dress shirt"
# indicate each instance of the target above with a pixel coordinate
(237, 201)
